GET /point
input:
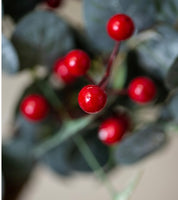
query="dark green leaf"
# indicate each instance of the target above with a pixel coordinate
(40, 38)
(140, 144)
(17, 160)
(58, 159)
(167, 10)
(10, 60)
(172, 76)
(157, 55)
(172, 106)
(34, 132)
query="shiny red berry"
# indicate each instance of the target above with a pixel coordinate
(62, 72)
(77, 62)
(34, 107)
(142, 90)
(112, 130)
(120, 27)
(53, 3)
(92, 99)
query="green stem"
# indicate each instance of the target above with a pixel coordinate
(50, 95)
(93, 163)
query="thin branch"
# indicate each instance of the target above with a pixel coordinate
(113, 55)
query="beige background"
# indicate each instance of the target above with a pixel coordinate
(160, 171)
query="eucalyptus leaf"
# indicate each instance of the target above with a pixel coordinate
(158, 54)
(40, 38)
(17, 160)
(58, 159)
(167, 10)
(172, 106)
(10, 60)
(172, 76)
(98, 12)
(35, 132)
(19, 8)
(140, 144)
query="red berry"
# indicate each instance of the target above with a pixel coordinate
(77, 62)
(112, 130)
(120, 27)
(34, 107)
(62, 72)
(142, 90)
(92, 99)
(53, 3)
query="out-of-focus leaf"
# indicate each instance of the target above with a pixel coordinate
(172, 76)
(140, 144)
(119, 76)
(172, 106)
(35, 132)
(40, 38)
(99, 150)
(158, 54)
(97, 13)
(19, 8)
(58, 159)
(167, 10)
(10, 61)
(17, 160)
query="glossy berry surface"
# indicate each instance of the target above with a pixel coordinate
(120, 27)
(62, 72)
(77, 62)
(53, 3)
(112, 130)
(92, 99)
(142, 90)
(34, 107)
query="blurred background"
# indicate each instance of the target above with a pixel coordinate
(159, 177)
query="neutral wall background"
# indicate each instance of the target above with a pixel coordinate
(160, 171)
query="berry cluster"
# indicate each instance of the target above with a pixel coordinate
(92, 98)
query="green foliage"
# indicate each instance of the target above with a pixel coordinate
(140, 144)
(41, 43)
(10, 60)
(171, 78)
(17, 161)
(158, 54)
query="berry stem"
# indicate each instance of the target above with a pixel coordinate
(93, 163)
(90, 80)
(112, 57)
